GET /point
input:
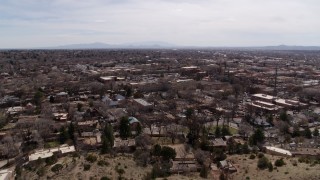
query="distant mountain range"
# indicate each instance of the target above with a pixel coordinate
(285, 47)
(165, 45)
(99, 45)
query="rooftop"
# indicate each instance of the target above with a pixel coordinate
(142, 102)
(263, 96)
(278, 150)
(45, 153)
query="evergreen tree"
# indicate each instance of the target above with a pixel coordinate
(316, 132)
(63, 137)
(168, 153)
(107, 139)
(105, 145)
(218, 132)
(257, 137)
(139, 129)
(79, 107)
(204, 172)
(128, 90)
(270, 167)
(263, 162)
(270, 119)
(296, 131)
(307, 133)
(156, 150)
(124, 128)
(245, 148)
(71, 131)
(283, 116)
(51, 99)
(189, 113)
(38, 98)
(225, 131)
(108, 132)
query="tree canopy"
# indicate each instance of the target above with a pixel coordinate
(124, 128)
(107, 139)
(257, 137)
(168, 153)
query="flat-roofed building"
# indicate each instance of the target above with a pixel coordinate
(277, 151)
(142, 104)
(263, 97)
(6, 174)
(108, 78)
(291, 104)
(45, 153)
(264, 106)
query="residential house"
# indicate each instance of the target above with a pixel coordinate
(218, 143)
(227, 166)
(61, 97)
(184, 160)
(142, 104)
(61, 150)
(125, 145)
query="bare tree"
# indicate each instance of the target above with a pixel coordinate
(46, 110)
(203, 157)
(44, 127)
(8, 147)
(143, 141)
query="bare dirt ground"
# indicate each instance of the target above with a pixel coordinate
(73, 168)
(191, 176)
(248, 168)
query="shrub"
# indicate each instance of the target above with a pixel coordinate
(279, 162)
(102, 163)
(260, 155)
(168, 153)
(57, 168)
(270, 167)
(263, 163)
(120, 171)
(76, 154)
(28, 167)
(41, 171)
(301, 159)
(148, 176)
(105, 178)
(18, 171)
(91, 158)
(86, 167)
(252, 156)
(204, 172)
(304, 160)
(51, 160)
(222, 177)
(294, 163)
(159, 171)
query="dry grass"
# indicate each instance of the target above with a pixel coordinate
(73, 169)
(248, 168)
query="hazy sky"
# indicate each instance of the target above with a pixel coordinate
(43, 23)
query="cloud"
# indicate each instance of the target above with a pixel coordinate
(185, 22)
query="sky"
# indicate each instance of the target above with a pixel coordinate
(47, 23)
